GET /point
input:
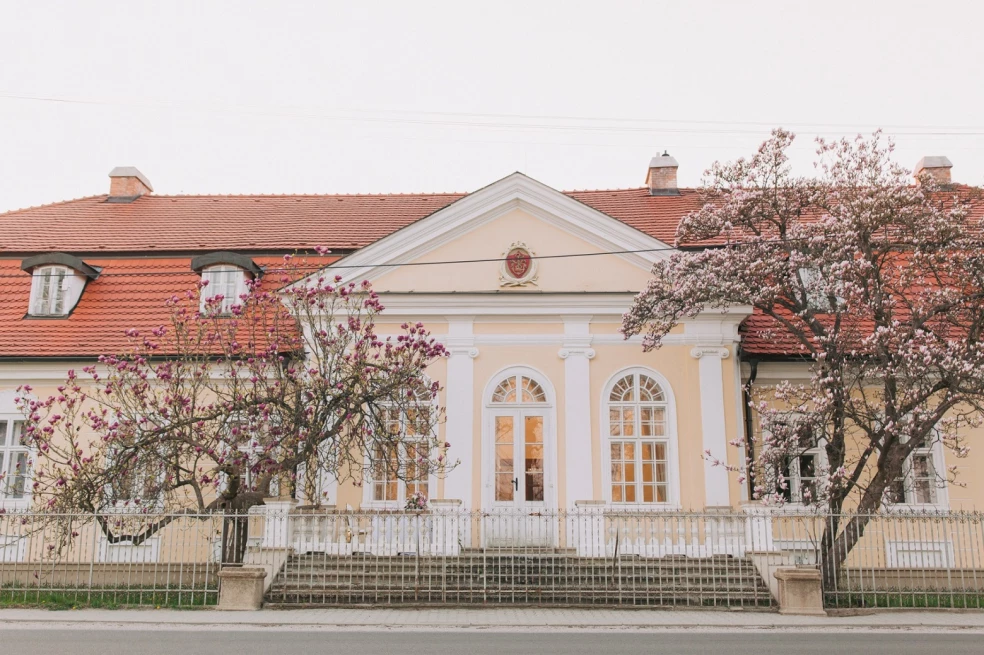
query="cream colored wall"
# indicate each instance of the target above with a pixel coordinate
(492, 239)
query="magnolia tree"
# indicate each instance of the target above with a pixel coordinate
(878, 282)
(234, 400)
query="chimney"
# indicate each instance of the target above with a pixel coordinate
(662, 176)
(126, 184)
(938, 168)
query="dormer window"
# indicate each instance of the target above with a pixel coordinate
(48, 288)
(225, 286)
(225, 274)
(57, 282)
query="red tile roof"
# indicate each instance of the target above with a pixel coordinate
(259, 223)
(130, 293)
(155, 223)
(207, 223)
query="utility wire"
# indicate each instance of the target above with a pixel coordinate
(462, 119)
(272, 268)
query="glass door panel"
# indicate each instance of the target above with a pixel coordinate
(533, 459)
(505, 470)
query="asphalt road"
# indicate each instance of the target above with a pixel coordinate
(291, 642)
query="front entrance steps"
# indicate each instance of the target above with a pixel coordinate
(517, 577)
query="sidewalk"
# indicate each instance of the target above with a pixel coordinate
(512, 619)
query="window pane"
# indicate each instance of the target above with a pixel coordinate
(646, 421)
(648, 493)
(617, 493)
(922, 466)
(615, 421)
(628, 421)
(504, 486)
(895, 493)
(622, 392)
(16, 476)
(660, 452)
(649, 390)
(505, 471)
(17, 437)
(616, 451)
(57, 293)
(630, 493)
(807, 466)
(3, 434)
(925, 492)
(534, 461)
(503, 429)
(662, 493)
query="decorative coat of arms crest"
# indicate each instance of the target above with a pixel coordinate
(518, 266)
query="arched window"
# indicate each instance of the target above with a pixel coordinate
(519, 389)
(639, 440)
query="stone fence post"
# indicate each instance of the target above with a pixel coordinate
(588, 528)
(446, 516)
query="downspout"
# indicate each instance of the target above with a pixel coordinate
(749, 441)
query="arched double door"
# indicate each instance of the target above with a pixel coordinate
(519, 459)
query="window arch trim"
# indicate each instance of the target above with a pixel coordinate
(518, 371)
(60, 259)
(201, 262)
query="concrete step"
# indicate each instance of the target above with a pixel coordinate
(567, 599)
(316, 579)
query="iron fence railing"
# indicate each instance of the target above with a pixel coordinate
(594, 554)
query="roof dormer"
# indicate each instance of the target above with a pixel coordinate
(57, 282)
(225, 274)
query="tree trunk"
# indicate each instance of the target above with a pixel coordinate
(834, 547)
(235, 532)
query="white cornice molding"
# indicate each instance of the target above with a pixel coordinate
(516, 191)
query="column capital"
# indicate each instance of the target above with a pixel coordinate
(706, 351)
(471, 351)
(566, 352)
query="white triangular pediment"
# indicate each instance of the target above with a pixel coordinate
(505, 204)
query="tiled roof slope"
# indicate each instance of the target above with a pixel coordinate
(130, 293)
(208, 223)
(154, 223)
(657, 216)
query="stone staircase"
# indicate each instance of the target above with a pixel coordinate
(517, 578)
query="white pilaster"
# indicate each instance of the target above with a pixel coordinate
(715, 440)
(460, 424)
(577, 353)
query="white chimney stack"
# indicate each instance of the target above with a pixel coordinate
(126, 183)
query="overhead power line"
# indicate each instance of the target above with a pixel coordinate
(447, 262)
(521, 122)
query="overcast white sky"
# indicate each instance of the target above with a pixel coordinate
(321, 97)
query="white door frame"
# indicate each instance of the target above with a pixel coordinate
(547, 409)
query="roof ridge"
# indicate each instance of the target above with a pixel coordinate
(51, 204)
(415, 194)
(641, 188)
